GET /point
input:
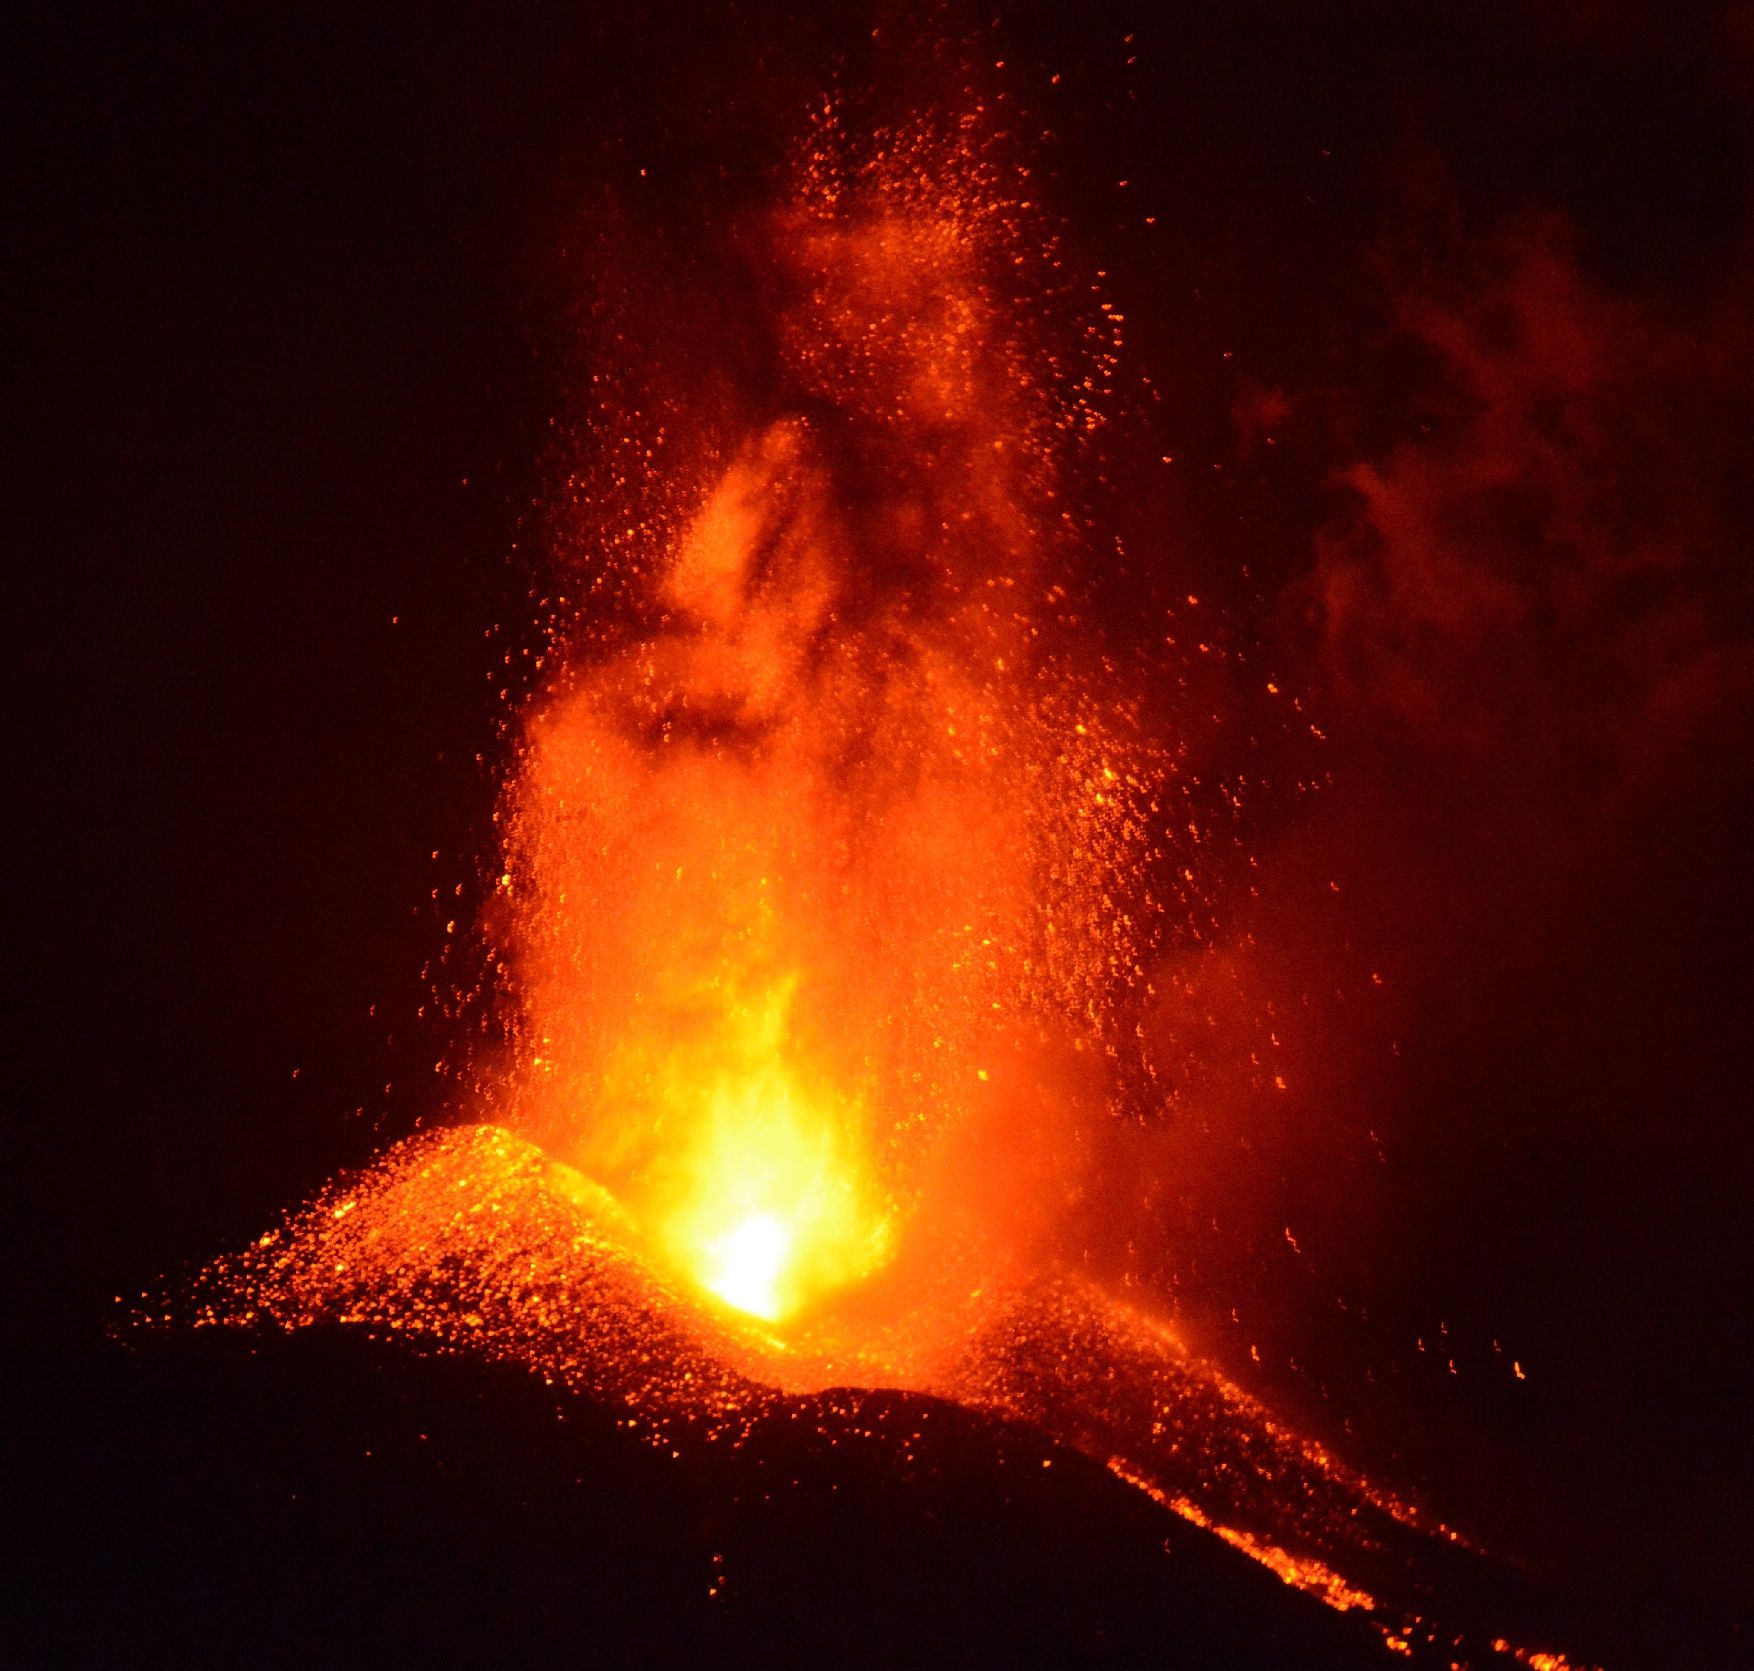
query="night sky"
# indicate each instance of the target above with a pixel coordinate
(1447, 313)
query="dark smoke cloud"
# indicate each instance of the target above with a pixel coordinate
(1548, 573)
(1500, 965)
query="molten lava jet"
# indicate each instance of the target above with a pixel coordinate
(835, 863)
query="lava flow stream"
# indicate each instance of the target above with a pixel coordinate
(836, 862)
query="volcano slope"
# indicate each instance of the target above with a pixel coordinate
(324, 1497)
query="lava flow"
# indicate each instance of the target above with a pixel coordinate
(836, 860)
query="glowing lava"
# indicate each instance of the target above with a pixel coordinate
(763, 1197)
(745, 1265)
(830, 848)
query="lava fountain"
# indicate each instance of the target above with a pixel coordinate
(835, 863)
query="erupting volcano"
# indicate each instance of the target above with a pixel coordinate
(884, 835)
(836, 863)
